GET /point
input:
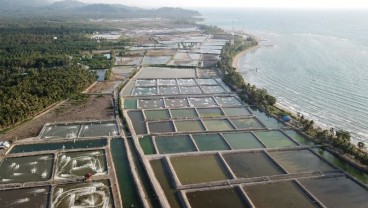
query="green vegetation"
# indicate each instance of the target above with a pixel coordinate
(256, 96)
(40, 65)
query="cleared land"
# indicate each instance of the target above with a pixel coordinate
(95, 108)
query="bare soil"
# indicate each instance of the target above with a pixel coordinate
(103, 87)
(96, 107)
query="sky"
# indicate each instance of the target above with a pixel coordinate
(321, 4)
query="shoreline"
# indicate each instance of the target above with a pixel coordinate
(236, 65)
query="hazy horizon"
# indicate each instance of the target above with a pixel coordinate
(304, 4)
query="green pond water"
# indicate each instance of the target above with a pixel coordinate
(199, 169)
(147, 145)
(130, 103)
(283, 195)
(59, 146)
(138, 122)
(274, 139)
(248, 165)
(221, 198)
(161, 127)
(26, 169)
(151, 103)
(128, 190)
(246, 123)
(342, 164)
(157, 114)
(242, 140)
(270, 122)
(236, 111)
(176, 102)
(300, 161)
(35, 198)
(210, 142)
(210, 112)
(298, 137)
(74, 164)
(162, 176)
(218, 125)
(61, 131)
(99, 129)
(337, 192)
(189, 126)
(174, 144)
(228, 101)
(183, 113)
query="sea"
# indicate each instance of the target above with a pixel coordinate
(314, 61)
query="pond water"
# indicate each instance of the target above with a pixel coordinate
(218, 125)
(202, 102)
(285, 195)
(274, 139)
(213, 89)
(26, 169)
(210, 142)
(177, 102)
(337, 192)
(147, 145)
(25, 198)
(174, 144)
(189, 126)
(246, 123)
(248, 165)
(98, 130)
(191, 90)
(210, 112)
(58, 131)
(184, 113)
(298, 137)
(151, 104)
(242, 140)
(199, 169)
(138, 122)
(169, 90)
(237, 111)
(161, 127)
(228, 101)
(130, 103)
(268, 121)
(157, 114)
(300, 161)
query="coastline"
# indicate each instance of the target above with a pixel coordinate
(236, 65)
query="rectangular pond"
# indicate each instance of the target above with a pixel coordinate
(187, 82)
(57, 131)
(26, 169)
(144, 91)
(25, 198)
(99, 129)
(242, 140)
(145, 82)
(239, 111)
(210, 112)
(177, 102)
(253, 164)
(59, 146)
(285, 195)
(162, 175)
(337, 192)
(157, 114)
(147, 145)
(274, 139)
(174, 144)
(213, 89)
(184, 113)
(155, 60)
(199, 169)
(191, 90)
(300, 161)
(247, 123)
(130, 103)
(228, 101)
(202, 102)
(219, 198)
(75, 164)
(218, 125)
(268, 121)
(161, 127)
(138, 122)
(189, 126)
(169, 90)
(93, 194)
(210, 142)
(151, 103)
(298, 137)
(167, 82)
(207, 82)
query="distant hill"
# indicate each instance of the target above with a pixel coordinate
(67, 4)
(74, 8)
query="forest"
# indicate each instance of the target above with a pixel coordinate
(40, 65)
